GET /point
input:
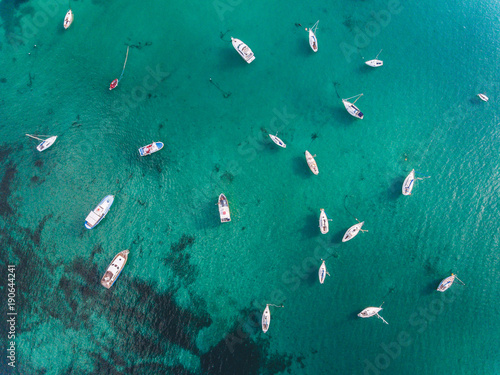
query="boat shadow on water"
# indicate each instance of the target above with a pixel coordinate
(300, 168)
(343, 118)
(208, 215)
(311, 227)
(337, 237)
(395, 189)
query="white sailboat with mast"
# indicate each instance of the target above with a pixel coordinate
(322, 272)
(323, 222)
(311, 163)
(375, 63)
(277, 140)
(446, 283)
(351, 108)
(371, 311)
(353, 231)
(313, 41)
(266, 317)
(46, 143)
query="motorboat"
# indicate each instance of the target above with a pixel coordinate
(224, 213)
(311, 163)
(151, 148)
(352, 232)
(351, 108)
(115, 82)
(98, 213)
(323, 222)
(114, 269)
(68, 19)
(277, 140)
(244, 51)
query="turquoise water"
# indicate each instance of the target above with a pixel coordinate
(190, 298)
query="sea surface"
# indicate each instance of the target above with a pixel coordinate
(191, 296)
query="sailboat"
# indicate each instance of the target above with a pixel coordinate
(114, 269)
(446, 283)
(483, 97)
(244, 51)
(46, 143)
(278, 141)
(266, 317)
(224, 213)
(351, 108)
(408, 183)
(311, 163)
(371, 311)
(322, 272)
(352, 232)
(313, 41)
(68, 19)
(117, 80)
(375, 63)
(323, 222)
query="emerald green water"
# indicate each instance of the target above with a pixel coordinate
(191, 296)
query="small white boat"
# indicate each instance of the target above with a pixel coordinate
(266, 319)
(225, 216)
(313, 41)
(322, 273)
(323, 222)
(114, 269)
(446, 283)
(408, 183)
(352, 232)
(371, 311)
(46, 143)
(68, 19)
(483, 97)
(351, 108)
(278, 141)
(244, 51)
(151, 148)
(98, 213)
(375, 63)
(311, 163)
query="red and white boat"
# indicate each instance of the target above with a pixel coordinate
(113, 84)
(151, 148)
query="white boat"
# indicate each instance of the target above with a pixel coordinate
(313, 41)
(322, 273)
(351, 108)
(224, 213)
(375, 63)
(151, 148)
(323, 222)
(408, 183)
(46, 143)
(352, 232)
(244, 51)
(278, 141)
(266, 319)
(98, 213)
(114, 269)
(68, 19)
(446, 283)
(311, 163)
(483, 97)
(371, 311)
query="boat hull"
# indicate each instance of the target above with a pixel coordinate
(68, 19)
(446, 283)
(322, 273)
(408, 183)
(374, 63)
(483, 97)
(244, 51)
(323, 222)
(151, 148)
(46, 144)
(266, 319)
(114, 269)
(369, 312)
(311, 163)
(352, 232)
(313, 41)
(99, 212)
(113, 84)
(277, 140)
(352, 109)
(224, 213)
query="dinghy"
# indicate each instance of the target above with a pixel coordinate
(408, 183)
(115, 82)
(311, 163)
(278, 141)
(224, 213)
(68, 19)
(352, 232)
(375, 63)
(323, 222)
(244, 51)
(446, 283)
(483, 97)
(114, 269)
(313, 42)
(151, 148)
(46, 143)
(266, 317)
(371, 311)
(322, 272)
(351, 108)
(98, 213)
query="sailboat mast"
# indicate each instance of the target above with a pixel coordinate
(359, 96)
(35, 137)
